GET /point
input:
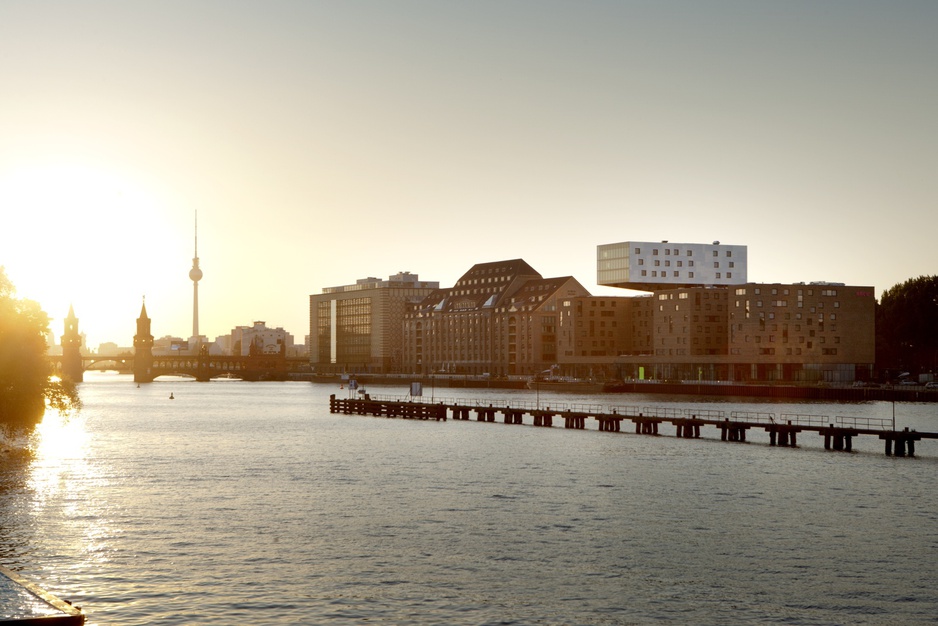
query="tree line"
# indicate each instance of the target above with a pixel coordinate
(27, 384)
(907, 328)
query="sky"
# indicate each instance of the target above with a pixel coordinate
(324, 142)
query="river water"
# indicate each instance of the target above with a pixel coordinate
(250, 503)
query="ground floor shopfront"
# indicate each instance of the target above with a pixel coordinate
(648, 368)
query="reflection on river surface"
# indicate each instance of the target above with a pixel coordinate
(250, 502)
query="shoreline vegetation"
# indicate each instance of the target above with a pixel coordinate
(28, 386)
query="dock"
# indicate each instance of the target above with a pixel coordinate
(23, 603)
(838, 432)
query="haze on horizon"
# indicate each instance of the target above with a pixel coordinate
(323, 142)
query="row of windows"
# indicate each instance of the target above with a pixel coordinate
(677, 274)
(677, 252)
(773, 339)
(483, 281)
(800, 292)
(784, 303)
(716, 264)
(788, 351)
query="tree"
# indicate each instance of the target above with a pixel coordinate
(26, 382)
(907, 326)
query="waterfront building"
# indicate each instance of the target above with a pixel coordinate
(704, 320)
(452, 331)
(359, 328)
(505, 319)
(591, 332)
(704, 323)
(797, 332)
(647, 266)
(807, 332)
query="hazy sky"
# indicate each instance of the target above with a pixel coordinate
(323, 142)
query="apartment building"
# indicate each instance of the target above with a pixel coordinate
(591, 331)
(756, 332)
(813, 331)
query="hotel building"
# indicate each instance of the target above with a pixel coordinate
(705, 321)
(647, 266)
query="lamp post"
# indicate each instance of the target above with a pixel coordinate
(537, 392)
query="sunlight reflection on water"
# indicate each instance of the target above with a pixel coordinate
(251, 502)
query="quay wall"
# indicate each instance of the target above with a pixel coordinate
(787, 392)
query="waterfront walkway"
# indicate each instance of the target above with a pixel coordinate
(838, 432)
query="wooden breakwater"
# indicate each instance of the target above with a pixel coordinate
(838, 432)
(387, 408)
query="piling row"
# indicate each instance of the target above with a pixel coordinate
(837, 436)
(406, 410)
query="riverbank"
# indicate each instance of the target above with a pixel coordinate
(787, 392)
(739, 390)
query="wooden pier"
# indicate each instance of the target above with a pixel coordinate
(783, 430)
(23, 603)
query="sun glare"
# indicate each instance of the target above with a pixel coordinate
(70, 236)
(59, 436)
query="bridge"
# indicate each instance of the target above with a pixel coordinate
(147, 366)
(200, 367)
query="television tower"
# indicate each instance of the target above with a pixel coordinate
(195, 274)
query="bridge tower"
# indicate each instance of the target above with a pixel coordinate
(71, 348)
(143, 348)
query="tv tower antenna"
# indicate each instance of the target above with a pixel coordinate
(195, 275)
